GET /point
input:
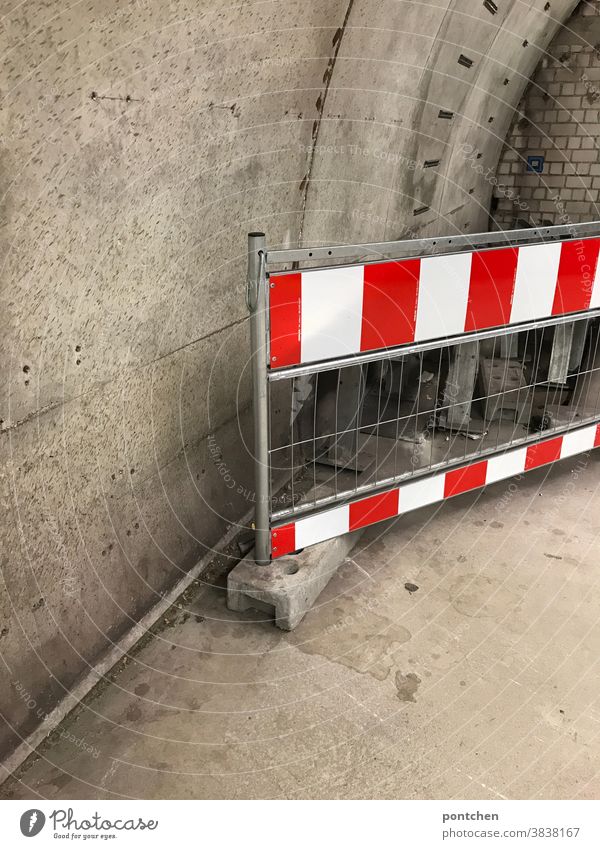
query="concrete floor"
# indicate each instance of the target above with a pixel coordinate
(482, 683)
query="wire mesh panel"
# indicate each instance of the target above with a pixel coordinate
(361, 427)
(398, 383)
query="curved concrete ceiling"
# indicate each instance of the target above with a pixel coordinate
(415, 86)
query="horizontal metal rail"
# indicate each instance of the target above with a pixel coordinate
(410, 247)
(432, 490)
(279, 517)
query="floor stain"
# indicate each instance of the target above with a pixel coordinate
(407, 686)
(133, 713)
(61, 780)
(476, 595)
(364, 641)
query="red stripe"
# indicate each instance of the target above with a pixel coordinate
(285, 293)
(543, 452)
(576, 271)
(491, 288)
(389, 304)
(374, 509)
(283, 540)
(368, 511)
(462, 480)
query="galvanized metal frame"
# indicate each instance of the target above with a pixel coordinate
(260, 262)
(256, 298)
(440, 244)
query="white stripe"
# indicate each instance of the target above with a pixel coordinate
(535, 283)
(595, 300)
(578, 441)
(443, 296)
(505, 465)
(420, 493)
(331, 523)
(331, 312)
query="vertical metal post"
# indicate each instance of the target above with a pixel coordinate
(460, 385)
(578, 346)
(509, 346)
(257, 304)
(558, 369)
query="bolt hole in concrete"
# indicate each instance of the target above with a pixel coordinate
(291, 569)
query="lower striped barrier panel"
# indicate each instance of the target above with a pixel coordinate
(336, 521)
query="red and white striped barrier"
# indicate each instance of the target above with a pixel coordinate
(429, 490)
(317, 315)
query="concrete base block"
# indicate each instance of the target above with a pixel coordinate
(289, 586)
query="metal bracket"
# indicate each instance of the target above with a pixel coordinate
(252, 283)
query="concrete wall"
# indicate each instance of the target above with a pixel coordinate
(141, 141)
(557, 118)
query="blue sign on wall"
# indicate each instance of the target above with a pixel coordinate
(535, 164)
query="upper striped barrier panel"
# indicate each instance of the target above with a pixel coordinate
(322, 314)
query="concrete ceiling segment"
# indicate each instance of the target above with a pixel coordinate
(466, 32)
(369, 117)
(524, 37)
(383, 131)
